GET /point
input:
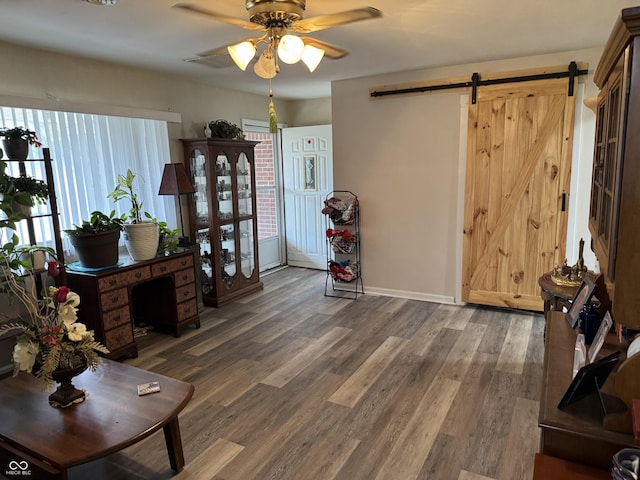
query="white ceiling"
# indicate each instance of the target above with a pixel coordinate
(411, 34)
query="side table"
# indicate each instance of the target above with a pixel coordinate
(555, 296)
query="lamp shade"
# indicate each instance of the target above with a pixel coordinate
(311, 56)
(265, 67)
(242, 53)
(290, 49)
(175, 180)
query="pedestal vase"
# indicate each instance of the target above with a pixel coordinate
(66, 394)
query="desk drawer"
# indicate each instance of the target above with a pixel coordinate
(187, 309)
(124, 278)
(184, 277)
(163, 268)
(115, 318)
(114, 299)
(118, 337)
(185, 293)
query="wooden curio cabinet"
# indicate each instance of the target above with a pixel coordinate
(223, 217)
(614, 213)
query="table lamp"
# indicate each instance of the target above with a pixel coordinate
(175, 181)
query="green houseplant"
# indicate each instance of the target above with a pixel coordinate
(225, 129)
(96, 239)
(15, 194)
(23, 191)
(140, 237)
(16, 141)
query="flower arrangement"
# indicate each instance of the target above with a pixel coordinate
(16, 133)
(53, 338)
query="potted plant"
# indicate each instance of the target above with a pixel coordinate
(16, 141)
(140, 237)
(225, 129)
(23, 191)
(96, 239)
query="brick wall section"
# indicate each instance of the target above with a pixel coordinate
(265, 183)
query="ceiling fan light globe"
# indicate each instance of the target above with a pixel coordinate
(265, 67)
(242, 53)
(311, 56)
(290, 49)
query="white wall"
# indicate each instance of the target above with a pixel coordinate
(401, 156)
(55, 78)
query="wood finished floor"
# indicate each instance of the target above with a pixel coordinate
(291, 384)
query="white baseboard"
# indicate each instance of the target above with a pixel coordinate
(425, 297)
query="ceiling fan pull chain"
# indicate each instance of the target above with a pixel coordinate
(273, 118)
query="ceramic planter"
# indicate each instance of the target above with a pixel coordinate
(16, 148)
(141, 240)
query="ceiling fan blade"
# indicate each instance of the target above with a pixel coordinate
(322, 22)
(223, 50)
(214, 61)
(217, 16)
(330, 51)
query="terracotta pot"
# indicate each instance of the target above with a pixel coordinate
(16, 148)
(97, 251)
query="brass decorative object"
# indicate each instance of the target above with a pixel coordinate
(572, 276)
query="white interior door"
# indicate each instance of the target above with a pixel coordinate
(308, 178)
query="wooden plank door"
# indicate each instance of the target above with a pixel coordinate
(518, 170)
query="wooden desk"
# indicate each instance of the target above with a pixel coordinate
(51, 440)
(575, 433)
(551, 468)
(159, 292)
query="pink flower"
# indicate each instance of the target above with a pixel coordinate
(49, 335)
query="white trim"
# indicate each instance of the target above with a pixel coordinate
(425, 297)
(247, 122)
(58, 105)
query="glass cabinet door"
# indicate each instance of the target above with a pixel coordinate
(245, 189)
(228, 254)
(224, 188)
(199, 181)
(246, 248)
(203, 240)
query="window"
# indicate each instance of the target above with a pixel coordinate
(88, 153)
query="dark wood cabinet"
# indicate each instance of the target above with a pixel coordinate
(576, 433)
(223, 217)
(614, 214)
(160, 292)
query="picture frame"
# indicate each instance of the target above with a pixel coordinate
(589, 379)
(598, 340)
(309, 171)
(580, 299)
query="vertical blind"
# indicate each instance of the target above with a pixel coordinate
(88, 152)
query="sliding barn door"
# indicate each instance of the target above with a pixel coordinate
(516, 191)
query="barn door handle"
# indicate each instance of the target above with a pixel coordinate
(564, 202)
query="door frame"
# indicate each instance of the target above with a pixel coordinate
(259, 126)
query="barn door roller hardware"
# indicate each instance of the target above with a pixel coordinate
(571, 73)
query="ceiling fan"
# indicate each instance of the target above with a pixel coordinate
(282, 30)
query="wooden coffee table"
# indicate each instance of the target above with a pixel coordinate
(44, 441)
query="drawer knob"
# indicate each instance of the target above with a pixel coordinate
(115, 299)
(138, 275)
